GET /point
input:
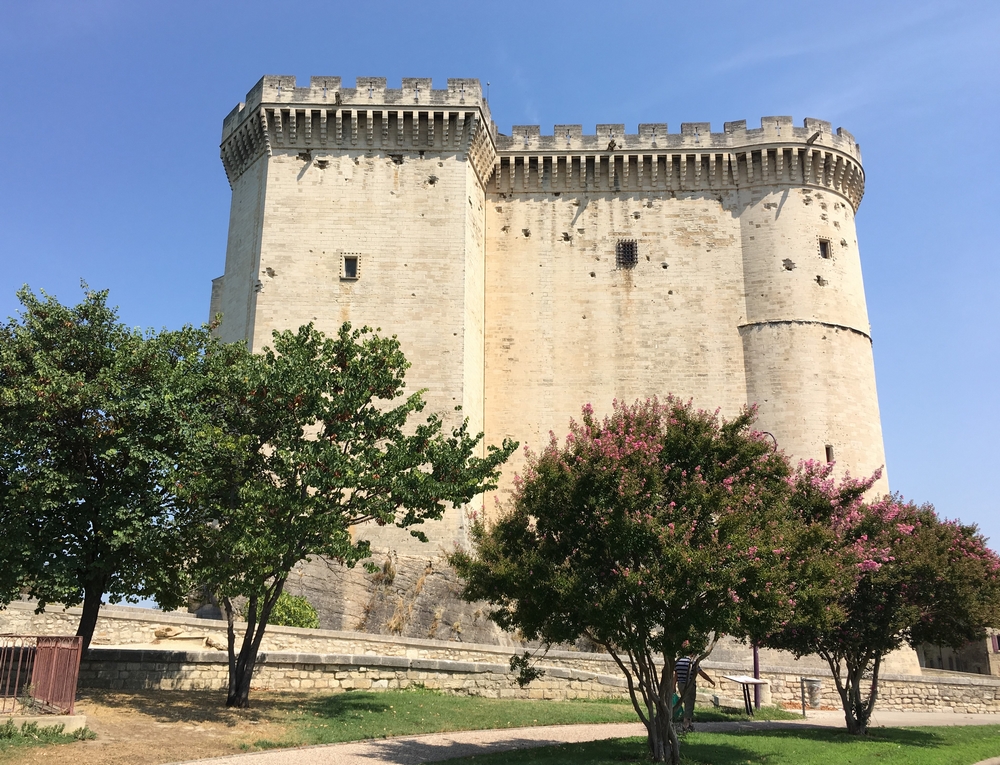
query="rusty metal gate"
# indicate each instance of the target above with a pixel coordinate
(38, 674)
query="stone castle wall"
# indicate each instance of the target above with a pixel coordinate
(494, 259)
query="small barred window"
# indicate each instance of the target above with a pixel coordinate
(350, 267)
(626, 253)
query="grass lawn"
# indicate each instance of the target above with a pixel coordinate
(358, 715)
(152, 726)
(883, 746)
(327, 719)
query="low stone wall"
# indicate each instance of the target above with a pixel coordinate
(118, 668)
(329, 659)
(121, 626)
(969, 694)
(138, 669)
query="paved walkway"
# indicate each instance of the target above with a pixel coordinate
(412, 750)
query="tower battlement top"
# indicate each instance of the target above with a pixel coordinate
(696, 136)
(415, 93)
(467, 93)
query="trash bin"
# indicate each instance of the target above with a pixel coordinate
(813, 689)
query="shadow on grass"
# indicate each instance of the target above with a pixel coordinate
(621, 750)
(764, 714)
(342, 706)
(921, 737)
(196, 706)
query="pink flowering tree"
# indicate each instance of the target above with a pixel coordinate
(903, 575)
(651, 532)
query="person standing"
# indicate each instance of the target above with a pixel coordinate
(687, 687)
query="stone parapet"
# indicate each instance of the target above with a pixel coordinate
(696, 136)
(775, 155)
(326, 116)
(367, 92)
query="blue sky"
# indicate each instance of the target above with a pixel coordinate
(113, 110)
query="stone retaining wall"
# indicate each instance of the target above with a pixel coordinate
(138, 669)
(327, 659)
(121, 626)
(902, 693)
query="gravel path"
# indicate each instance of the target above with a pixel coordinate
(411, 750)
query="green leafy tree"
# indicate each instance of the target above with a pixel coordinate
(651, 532)
(302, 444)
(93, 416)
(903, 577)
(292, 611)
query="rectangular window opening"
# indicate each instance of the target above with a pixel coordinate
(829, 453)
(350, 267)
(825, 251)
(626, 253)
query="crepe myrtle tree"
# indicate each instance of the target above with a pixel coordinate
(93, 417)
(904, 576)
(651, 532)
(302, 444)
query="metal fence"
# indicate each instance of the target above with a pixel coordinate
(38, 674)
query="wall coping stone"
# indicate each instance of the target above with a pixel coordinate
(173, 617)
(272, 658)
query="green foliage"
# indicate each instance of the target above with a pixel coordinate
(357, 715)
(526, 673)
(651, 533)
(291, 611)
(32, 732)
(300, 445)
(93, 416)
(898, 575)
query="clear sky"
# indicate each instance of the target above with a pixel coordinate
(113, 111)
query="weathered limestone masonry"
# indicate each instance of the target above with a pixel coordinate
(298, 659)
(365, 205)
(745, 285)
(528, 274)
(137, 669)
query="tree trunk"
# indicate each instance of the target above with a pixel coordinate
(661, 738)
(92, 595)
(241, 667)
(857, 712)
(664, 745)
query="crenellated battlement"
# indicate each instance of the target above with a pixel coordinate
(695, 159)
(416, 92)
(696, 136)
(278, 114)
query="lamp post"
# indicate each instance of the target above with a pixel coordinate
(756, 650)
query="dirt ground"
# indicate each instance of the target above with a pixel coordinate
(154, 727)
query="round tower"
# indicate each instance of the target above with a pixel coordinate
(806, 338)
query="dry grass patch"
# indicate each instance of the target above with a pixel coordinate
(154, 727)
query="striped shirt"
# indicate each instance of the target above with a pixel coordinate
(682, 669)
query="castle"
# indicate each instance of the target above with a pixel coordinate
(528, 274)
